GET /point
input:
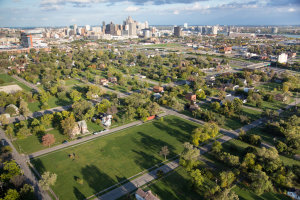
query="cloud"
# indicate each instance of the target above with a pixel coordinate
(291, 10)
(132, 9)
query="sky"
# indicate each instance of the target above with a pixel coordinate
(36, 13)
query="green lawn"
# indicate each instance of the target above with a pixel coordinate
(175, 186)
(246, 194)
(33, 143)
(93, 127)
(6, 79)
(52, 102)
(269, 87)
(113, 158)
(71, 82)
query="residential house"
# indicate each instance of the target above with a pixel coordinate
(14, 107)
(106, 120)
(103, 81)
(83, 127)
(142, 195)
(191, 97)
(280, 97)
(158, 89)
(113, 79)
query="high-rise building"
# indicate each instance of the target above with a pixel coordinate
(178, 31)
(103, 27)
(185, 25)
(274, 30)
(87, 27)
(215, 30)
(75, 29)
(146, 24)
(26, 40)
(132, 29)
(282, 58)
(110, 28)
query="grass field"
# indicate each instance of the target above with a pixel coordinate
(246, 194)
(175, 186)
(33, 143)
(113, 158)
(8, 80)
(52, 102)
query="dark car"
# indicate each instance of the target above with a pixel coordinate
(65, 141)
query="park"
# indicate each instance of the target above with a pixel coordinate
(108, 160)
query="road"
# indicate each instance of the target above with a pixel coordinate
(30, 177)
(26, 83)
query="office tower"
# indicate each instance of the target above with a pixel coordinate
(132, 29)
(215, 30)
(185, 25)
(146, 24)
(87, 27)
(178, 31)
(146, 33)
(103, 27)
(110, 28)
(26, 40)
(75, 29)
(274, 30)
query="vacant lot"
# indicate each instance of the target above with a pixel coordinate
(107, 160)
(6, 80)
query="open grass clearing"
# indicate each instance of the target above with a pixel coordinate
(107, 160)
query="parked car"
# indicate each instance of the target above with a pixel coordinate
(96, 133)
(65, 141)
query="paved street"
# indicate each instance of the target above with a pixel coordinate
(30, 177)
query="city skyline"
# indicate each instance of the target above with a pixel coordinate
(21, 13)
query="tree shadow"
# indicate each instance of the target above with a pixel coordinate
(96, 179)
(179, 135)
(38, 164)
(78, 194)
(144, 160)
(152, 143)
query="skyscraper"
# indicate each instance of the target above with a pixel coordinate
(132, 29)
(26, 40)
(185, 25)
(178, 31)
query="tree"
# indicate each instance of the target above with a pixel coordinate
(48, 140)
(201, 134)
(3, 120)
(217, 147)
(75, 95)
(237, 104)
(46, 120)
(164, 152)
(83, 110)
(189, 156)
(216, 106)
(24, 110)
(227, 179)
(197, 177)
(260, 182)
(68, 125)
(12, 194)
(9, 131)
(47, 180)
(227, 194)
(103, 106)
(201, 94)
(11, 169)
(249, 160)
